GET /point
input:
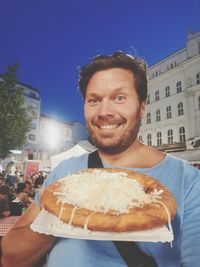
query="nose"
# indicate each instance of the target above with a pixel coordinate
(105, 108)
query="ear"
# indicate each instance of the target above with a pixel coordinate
(142, 109)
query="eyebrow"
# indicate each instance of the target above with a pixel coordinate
(115, 91)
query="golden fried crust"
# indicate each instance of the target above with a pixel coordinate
(147, 217)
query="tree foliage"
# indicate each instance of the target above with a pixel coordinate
(14, 118)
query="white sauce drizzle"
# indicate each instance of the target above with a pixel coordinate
(72, 215)
(168, 215)
(61, 210)
(87, 221)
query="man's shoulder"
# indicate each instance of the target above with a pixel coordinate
(181, 168)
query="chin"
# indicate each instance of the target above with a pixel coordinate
(118, 142)
(114, 148)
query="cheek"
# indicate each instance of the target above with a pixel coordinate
(88, 113)
(128, 112)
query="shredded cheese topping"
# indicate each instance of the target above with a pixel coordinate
(104, 191)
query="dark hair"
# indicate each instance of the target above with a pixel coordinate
(20, 187)
(38, 181)
(118, 60)
(4, 189)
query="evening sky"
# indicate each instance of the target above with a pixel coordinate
(51, 39)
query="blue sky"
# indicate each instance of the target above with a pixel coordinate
(51, 39)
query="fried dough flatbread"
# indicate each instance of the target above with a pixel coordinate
(112, 200)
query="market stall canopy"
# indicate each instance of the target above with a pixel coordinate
(77, 150)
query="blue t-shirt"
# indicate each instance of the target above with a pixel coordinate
(182, 179)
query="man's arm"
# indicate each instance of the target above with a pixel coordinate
(23, 247)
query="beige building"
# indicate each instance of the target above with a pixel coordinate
(32, 100)
(172, 121)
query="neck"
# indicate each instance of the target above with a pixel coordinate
(127, 158)
(136, 156)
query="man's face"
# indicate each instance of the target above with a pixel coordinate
(112, 110)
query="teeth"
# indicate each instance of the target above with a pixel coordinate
(108, 126)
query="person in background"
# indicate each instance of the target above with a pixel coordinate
(21, 178)
(2, 179)
(4, 200)
(38, 184)
(21, 195)
(11, 175)
(29, 189)
(20, 202)
(114, 88)
(196, 165)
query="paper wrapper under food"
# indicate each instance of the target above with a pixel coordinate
(49, 224)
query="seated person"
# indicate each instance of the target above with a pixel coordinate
(21, 195)
(38, 184)
(29, 190)
(1, 179)
(4, 201)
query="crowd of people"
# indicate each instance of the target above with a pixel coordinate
(16, 191)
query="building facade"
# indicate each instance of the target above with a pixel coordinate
(172, 121)
(56, 136)
(32, 103)
(47, 136)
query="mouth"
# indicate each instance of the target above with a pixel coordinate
(108, 127)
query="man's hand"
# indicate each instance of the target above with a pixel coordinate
(23, 247)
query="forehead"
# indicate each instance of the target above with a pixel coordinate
(111, 79)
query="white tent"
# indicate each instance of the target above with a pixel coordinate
(76, 150)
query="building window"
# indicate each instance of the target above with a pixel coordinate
(158, 118)
(149, 140)
(157, 97)
(148, 118)
(182, 135)
(178, 87)
(32, 137)
(180, 109)
(198, 78)
(167, 91)
(34, 105)
(199, 102)
(169, 112)
(33, 125)
(140, 138)
(170, 136)
(148, 99)
(159, 139)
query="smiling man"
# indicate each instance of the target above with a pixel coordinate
(112, 110)
(114, 88)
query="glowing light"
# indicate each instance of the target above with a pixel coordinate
(52, 135)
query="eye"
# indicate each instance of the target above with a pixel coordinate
(92, 101)
(119, 99)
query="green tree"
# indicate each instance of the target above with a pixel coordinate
(14, 118)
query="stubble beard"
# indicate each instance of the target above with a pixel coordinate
(119, 143)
